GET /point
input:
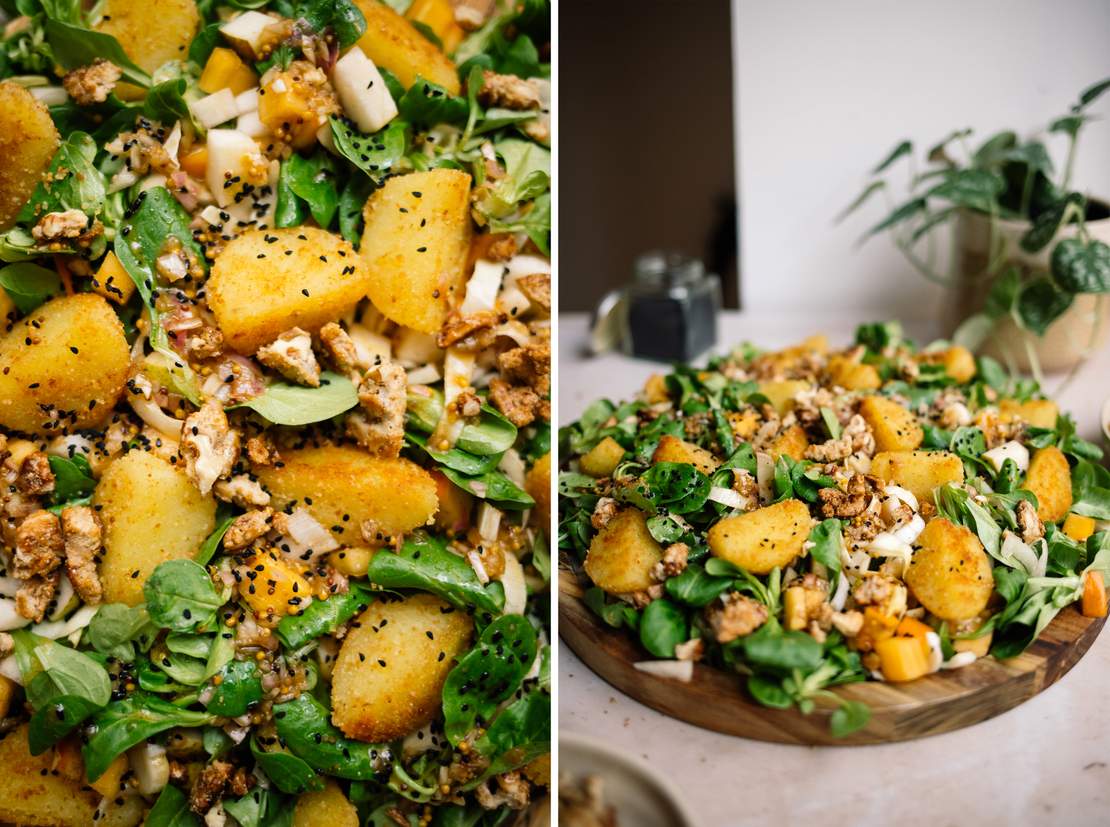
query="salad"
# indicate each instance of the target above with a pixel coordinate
(274, 412)
(813, 517)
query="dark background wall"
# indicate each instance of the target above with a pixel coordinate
(645, 140)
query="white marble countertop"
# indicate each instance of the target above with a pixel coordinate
(1046, 762)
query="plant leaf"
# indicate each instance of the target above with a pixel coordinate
(1041, 302)
(900, 214)
(75, 46)
(1048, 223)
(286, 404)
(868, 191)
(1091, 93)
(1082, 268)
(904, 148)
(29, 285)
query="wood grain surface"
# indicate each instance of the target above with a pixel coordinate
(938, 703)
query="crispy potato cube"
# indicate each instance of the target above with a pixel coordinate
(328, 806)
(226, 70)
(918, 471)
(415, 246)
(603, 458)
(152, 34)
(277, 589)
(455, 505)
(623, 553)
(762, 539)
(537, 482)
(1040, 413)
(151, 513)
(791, 357)
(343, 487)
(112, 282)
(256, 299)
(794, 607)
(7, 692)
(673, 449)
(28, 140)
(853, 375)
(1078, 527)
(73, 371)
(950, 575)
(393, 42)
(1049, 478)
(902, 659)
(781, 394)
(655, 389)
(388, 677)
(32, 794)
(895, 428)
(792, 442)
(439, 16)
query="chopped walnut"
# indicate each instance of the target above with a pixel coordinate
(209, 786)
(520, 405)
(243, 491)
(35, 594)
(512, 792)
(38, 546)
(853, 500)
(291, 355)
(744, 484)
(468, 404)
(642, 598)
(508, 92)
(247, 528)
(693, 649)
(35, 477)
(68, 226)
(1032, 529)
(537, 289)
(83, 541)
(468, 332)
(605, 510)
(7, 645)
(381, 393)
(847, 623)
(735, 616)
(262, 451)
(209, 445)
(502, 247)
(340, 347)
(528, 365)
(856, 438)
(673, 562)
(205, 343)
(91, 84)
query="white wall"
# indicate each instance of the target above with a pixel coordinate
(825, 89)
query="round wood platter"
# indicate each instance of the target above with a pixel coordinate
(937, 703)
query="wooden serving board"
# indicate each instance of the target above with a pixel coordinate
(717, 700)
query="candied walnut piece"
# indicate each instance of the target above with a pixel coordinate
(209, 445)
(537, 289)
(38, 546)
(35, 477)
(92, 84)
(290, 354)
(380, 429)
(508, 92)
(83, 541)
(247, 528)
(340, 347)
(735, 616)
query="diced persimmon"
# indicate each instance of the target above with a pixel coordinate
(902, 659)
(1094, 595)
(111, 280)
(226, 70)
(455, 505)
(439, 16)
(912, 627)
(655, 389)
(1078, 527)
(195, 162)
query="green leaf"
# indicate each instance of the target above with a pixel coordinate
(55, 720)
(769, 692)
(463, 462)
(849, 717)
(212, 541)
(1003, 294)
(1082, 268)
(676, 486)
(165, 102)
(994, 149)
(771, 647)
(1092, 93)
(75, 46)
(976, 189)
(827, 539)
(171, 810)
(428, 104)
(51, 670)
(286, 404)
(487, 675)
(376, 154)
(695, 587)
(1041, 303)
(341, 16)
(289, 773)
(180, 596)
(904, 148)
(492, 486)
(900, 214)
(1048, 223)
(322, 617)
(313, 181)
(123, 724)
(304, 726)
(239, 688)
(425, 563)
(663, 626)
(491, 434)
(29, 285)
(206, 40)
(932, 220)
(116, 628)
(72, 478)
(1033, 155)
(1069, 124)
(75, 182)
(351, 201)
(519, 735)
(860, 200)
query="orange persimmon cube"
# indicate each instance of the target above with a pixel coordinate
(439, 16)
(226, 70)
(111, 280)
(1078, 527)
(912, 627)
(195, 162)
(1094, 595)
(902, 659)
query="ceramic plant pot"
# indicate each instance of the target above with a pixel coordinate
(1068, 339)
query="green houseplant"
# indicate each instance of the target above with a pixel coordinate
(1031, 264)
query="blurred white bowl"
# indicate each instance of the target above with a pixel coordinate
(641, 796)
